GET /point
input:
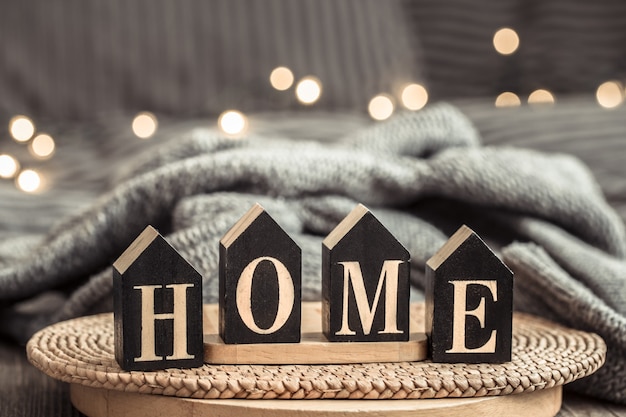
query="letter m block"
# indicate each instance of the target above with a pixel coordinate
(157, 305)
(365, 282)
(469, 302)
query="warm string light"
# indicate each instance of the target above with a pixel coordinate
(414, 96)
(8, 166)
(233, 123)
(541, 96)
(29, 181)
(145, 125)
(380, 107)
(505, 41)
(308, 90)
(42, 146)
(21, 128)
(281, 78)
(508, 99)
(610, 94)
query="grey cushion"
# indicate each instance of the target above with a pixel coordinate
(74, 59)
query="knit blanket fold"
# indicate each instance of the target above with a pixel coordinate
(422, 174)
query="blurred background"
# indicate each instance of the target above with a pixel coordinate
(85, 86)
(132, 64)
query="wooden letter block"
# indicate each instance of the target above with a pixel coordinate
(157, 303)
(469, 302)
(259, 282)
(365, 282)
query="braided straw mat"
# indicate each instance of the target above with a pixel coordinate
(545, 355)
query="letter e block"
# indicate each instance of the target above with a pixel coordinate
(157, 304)
(365, 282)
(259, 282)
(469, 302)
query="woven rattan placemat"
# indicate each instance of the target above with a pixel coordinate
(545, 355)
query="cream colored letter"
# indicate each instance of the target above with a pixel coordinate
(352, 273)
(460, 313)
(148, 318)
(285, 295)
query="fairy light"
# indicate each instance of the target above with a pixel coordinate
(29, 181)
(541, 96)
(414, 96)
(609, 94)
(505, 41)
(144, 125)
(308, 90)
(380, 107)
(508, 99)
(8, 166)
(281, 78)
(21, 128)
(42, 146)
(233, 122)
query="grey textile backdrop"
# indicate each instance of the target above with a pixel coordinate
(75, 59)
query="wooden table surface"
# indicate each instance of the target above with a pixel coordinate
(26, 392)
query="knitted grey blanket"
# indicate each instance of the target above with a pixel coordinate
(422, 174)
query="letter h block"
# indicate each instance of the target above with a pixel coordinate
(157, 306)
(469, 302)
(365, 282)
(259, 282)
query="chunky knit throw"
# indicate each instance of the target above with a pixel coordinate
(422, 174)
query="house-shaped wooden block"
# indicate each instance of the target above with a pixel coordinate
(365, 282)
(157, 303)
(469, 302)
(259, 282)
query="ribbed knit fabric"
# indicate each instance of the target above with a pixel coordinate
(422, 174)
(72, 59)
(565, 46)
(75, 60)
(572, 46)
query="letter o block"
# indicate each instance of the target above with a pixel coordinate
(259, 282)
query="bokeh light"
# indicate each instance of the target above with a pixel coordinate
(505, 41)
(233, 122)
(610, 94)
(21, 128)
(414, 96)
(29, 181)
(42, 146)
(508, 99)
(541, 96)
(145, 125)
(281, 78)
(308, 90)
(380, 107)
(8, 166)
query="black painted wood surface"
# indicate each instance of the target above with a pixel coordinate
(260, 282)
(360, 259)
(469, 302)
(157, 307)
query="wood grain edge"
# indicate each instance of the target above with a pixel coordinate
(97, 402)
(313, 347)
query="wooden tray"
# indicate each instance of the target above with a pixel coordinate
(545, 355)
(313, 349)
(98, 402)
